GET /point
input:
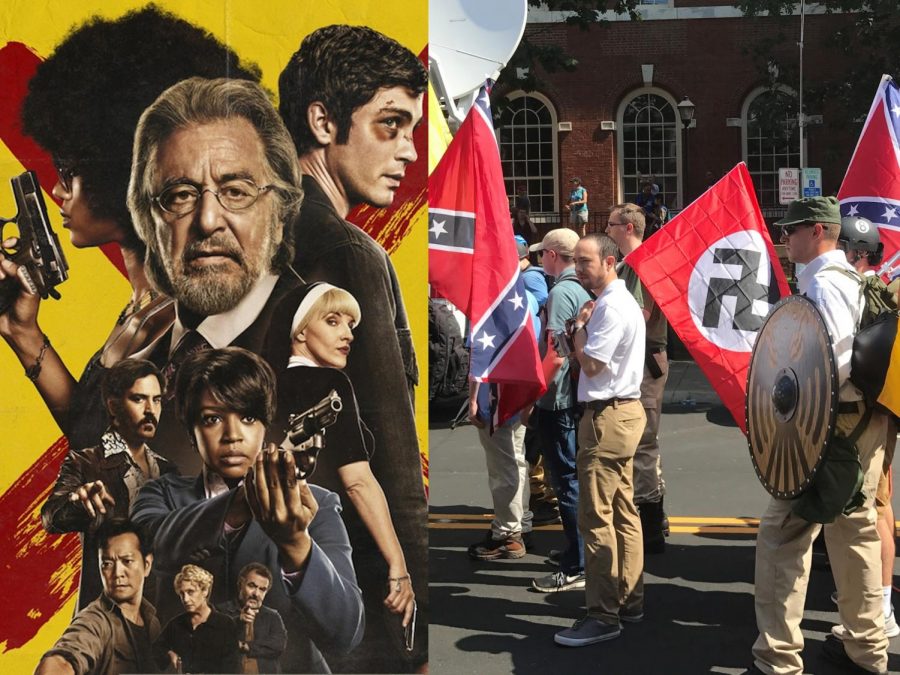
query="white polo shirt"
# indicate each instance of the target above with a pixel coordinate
(616, 335)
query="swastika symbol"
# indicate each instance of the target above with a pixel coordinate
(745, 289)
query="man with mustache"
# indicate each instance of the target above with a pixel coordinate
(100, 482)
(262, 636)
(214, 179)
(352, 99)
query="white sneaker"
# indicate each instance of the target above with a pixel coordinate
(891, 628)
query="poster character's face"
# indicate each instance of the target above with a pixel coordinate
(253, 590)
(192, 597)
(326, 339)
(213, 253)
(123, 568)
(371, 164)
(228, 441)
(136, 415)
(85, 229)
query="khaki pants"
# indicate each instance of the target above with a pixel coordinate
(783, 557)
(607, 518)
(649, 486)
(504, 454)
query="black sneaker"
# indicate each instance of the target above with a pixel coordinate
(587, 631)
(543, 513)
(494, 549)
(834, 651)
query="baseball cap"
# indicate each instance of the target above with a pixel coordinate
(561, 240)
(812, 210)
(521, 246)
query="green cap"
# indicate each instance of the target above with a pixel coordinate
(812, 210)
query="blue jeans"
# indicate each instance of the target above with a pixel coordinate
(559, 442)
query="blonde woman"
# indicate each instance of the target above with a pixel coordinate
(321, 335)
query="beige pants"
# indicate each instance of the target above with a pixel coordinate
(649, 486)
(783, 557)
(607, 518)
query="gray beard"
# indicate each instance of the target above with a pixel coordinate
(209, 291)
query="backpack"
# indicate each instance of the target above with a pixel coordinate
(875, 335)
(448, 358)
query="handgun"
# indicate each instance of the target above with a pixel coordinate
(38, 251)
(306, 432)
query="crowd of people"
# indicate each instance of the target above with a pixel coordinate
(208, 501)
(603, 343)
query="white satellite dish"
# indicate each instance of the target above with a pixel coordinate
(472, 40)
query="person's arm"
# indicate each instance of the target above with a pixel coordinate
(83, 646)
(19, 327)
(269, 636)
(474, 417)
(368, 498)
(54, 664)
(75, 504)
(313, 550)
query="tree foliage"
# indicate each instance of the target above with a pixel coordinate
(868, 42)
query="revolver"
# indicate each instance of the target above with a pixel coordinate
(38, 251)
(306, 432)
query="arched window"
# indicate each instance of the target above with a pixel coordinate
(649, 145)
(771, 139)
(527, 138)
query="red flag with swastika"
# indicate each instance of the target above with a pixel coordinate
(714, 273)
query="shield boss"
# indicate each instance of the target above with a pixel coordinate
(791, 396)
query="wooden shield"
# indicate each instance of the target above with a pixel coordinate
(792, 396)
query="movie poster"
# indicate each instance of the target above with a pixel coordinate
(40, 571)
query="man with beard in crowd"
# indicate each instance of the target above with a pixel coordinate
(99, 483)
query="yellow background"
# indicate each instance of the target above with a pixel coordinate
(265, 32)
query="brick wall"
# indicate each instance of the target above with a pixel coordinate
(705, 59)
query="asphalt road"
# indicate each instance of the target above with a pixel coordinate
(699, 594)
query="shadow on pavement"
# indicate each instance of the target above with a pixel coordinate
(698, 605)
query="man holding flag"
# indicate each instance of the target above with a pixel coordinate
(810, 231)
(473, 263)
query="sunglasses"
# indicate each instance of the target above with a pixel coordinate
(788, 230)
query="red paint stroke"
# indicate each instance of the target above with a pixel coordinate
(389, 226)
(45, 566)
(42, 569)
(17, 66)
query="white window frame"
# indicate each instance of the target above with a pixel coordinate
(745, 110)
(620, 142)
(554, 137)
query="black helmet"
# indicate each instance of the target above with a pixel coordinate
(860, 234)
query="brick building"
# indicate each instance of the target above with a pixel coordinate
(614, 120)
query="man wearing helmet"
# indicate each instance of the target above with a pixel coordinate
(860, 240)
(862, 245)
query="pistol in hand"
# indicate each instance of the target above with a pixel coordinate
(306, 432)
(38, 251)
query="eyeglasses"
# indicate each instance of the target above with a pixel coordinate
(66, 174)
(788, 230)
(234, 195)
(612, 224)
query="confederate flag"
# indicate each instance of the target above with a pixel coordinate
(714, 273)
(871, 186)
(472, 261)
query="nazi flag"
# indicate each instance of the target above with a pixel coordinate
(714, 273)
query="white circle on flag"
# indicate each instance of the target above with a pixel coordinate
(717, 291)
